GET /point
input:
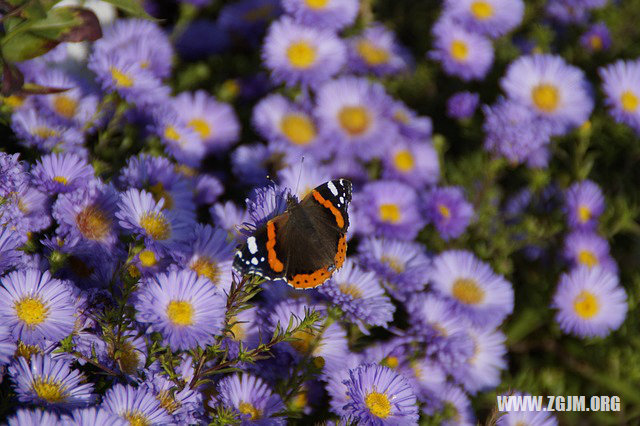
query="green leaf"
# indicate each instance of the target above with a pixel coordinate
(132, 7)
(25, 46)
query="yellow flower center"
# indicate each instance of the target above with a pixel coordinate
(93, 223)
(401, 117)
(158, 191)
(444, 211)
(403, 160)
(147, 258)
(584, 214)
(49, 390)
(298, 128)
(126, 355)
(545, 97)
(171, 134)
(372, 54)
(120, 78)
(133, 271)
(136, 418)
(14, 101)
(467, 291)
(300, 401)
(350, 290)
(185, 170)
(596, 42)
(378, 404)
(393, 263)
(167, 401)
(303, 342)
(459, 50)
(247, 408)
(587, 258)
(45, 132)
(202, 127)
(156, 225)
(60, 179)
(629, 101)
(586, 305)
(390, 361)
(301, 54)
(180, 312)
(390, 213)
(27, 351)
(31, 311)
(207, 267)
(482, 10)
(237, 329)
(355, 120)
(65, 106)
(316, 4)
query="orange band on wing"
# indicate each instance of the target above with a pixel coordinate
(326, 203)
(274, 263)
(342, 252)
(310, 280)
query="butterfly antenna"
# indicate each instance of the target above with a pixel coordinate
(299, 175)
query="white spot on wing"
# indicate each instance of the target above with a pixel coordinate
(332, 188)
(341, 199)
(254, 261)
(251, 243)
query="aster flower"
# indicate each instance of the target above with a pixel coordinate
(61, 173)
(621, 85)
(409, 124)
(246, 328)
(415, 163)
(50, 382)
(35, 306)
(490, 17)
(336, 387)
(212, 255)
(584, 203)
(93, 417)
(388, 208)
(380, 396)
(462, 53)
(376, 50)
(185, 308)
(449, 211)
(264, 204)
(482, 370)
(597, 38)
(7, 345)
(185, 405)
(515, 132)
(164, 230)
(352, 111)
(572, 11)
(428, 380)
(551, 88)
(472, 287)
(249, 164)
(34, 417)
(10, 241)
(87, 215)
(296, 54)
(330, 14)
(229, 217)
(12, 174)
(590, 302)
(516, 418)
(457, 407)
(181, 141)
(215, 122)
(251, 398)
(402, 266)
(34, 208)
(359, 295)
(304, 177)
(462, 105)
(35, 129)
(135, 405)
(589, 249)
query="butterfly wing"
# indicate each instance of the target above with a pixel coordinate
(253, 257)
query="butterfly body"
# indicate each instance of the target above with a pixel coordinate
(304, 245)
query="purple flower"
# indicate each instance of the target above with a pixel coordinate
(211, 256)
(584, 203)
(588, 249)
(182, 141)
(490, 17)
(330, 14)
(590, 302)
(61, 173)
(449, 211)
(621, 86)
(92, 417)
(414, 162)
(35, 129)
(377, 51)
(34, 417)
(135, 405)
(462, 105)
(10, 241)
(482, 370)
(596, 38)
(380, 396)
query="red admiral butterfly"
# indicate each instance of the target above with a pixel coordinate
(304, 245)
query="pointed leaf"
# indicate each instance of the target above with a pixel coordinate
(132, 7)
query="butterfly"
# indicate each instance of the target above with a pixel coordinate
(306, 244)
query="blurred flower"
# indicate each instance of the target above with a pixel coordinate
(462, 105)
(590, 302)
(72, 106)
(303, 177)
(61, 173)
(378, 395)
(516, 418)
(251, 398)
(10, 241)
(489, 17)
(186, 309)
(449, 211)
(296, 54)
(181, 141)
(7, 345)
(92, 417)
(359, 296)
(621, 85)
(248, 18)
(377, 51)
(463, 54)
(551, 88)
(211, 255)
(472, 287)
(414, 162)
(482, 370)
(330, 14)
(457, 407)
(572, 11)
(50, 382)
(36, 307)
(408, 122)
(249, 164)
(135, 405)
(596, 38)
(589, 249)
(35, 129)
(388, 209)
(584, 203)
(33, 417)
